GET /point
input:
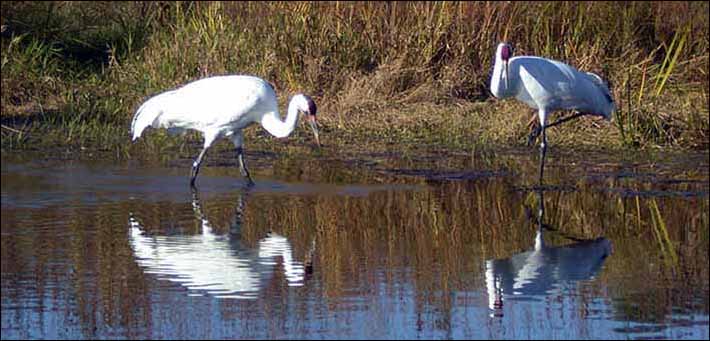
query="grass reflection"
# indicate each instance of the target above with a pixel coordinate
(427, 244)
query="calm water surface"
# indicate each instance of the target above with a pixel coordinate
(381, 246)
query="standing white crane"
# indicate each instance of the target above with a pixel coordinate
(220, 107)
(548, 85)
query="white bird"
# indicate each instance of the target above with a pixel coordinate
(220, 107)
(548, 85)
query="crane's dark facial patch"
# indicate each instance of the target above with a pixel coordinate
(505, 52)
(311, 106)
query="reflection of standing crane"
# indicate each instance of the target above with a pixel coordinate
(221, 107)
(218, 265)
(548, 85)
(544, 268)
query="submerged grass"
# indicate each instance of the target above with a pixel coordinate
(74, 73)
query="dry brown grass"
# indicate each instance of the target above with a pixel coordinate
(392, 67)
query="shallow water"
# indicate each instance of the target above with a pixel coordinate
(376, 246)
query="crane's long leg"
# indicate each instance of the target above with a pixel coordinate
(543, 144)
(535, 133)
(242, 165)
(238, 141)
(196, 165)
(543, 150)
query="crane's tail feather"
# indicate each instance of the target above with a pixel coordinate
(148, 113)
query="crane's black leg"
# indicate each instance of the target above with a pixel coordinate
(565, 119)
(238, 141)
(543, 150)
(543, 144)
(243, 166)
(209, 138)
(196, 167)
(535, 133)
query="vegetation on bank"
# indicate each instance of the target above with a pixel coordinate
(73, 73)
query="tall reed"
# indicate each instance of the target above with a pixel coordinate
(370, 65)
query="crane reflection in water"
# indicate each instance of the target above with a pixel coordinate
(218, 265)
(544, 269)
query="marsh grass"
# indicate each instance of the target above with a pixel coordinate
(73, 73)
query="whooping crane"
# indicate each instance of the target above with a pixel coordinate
(549, 85)
(222, 106)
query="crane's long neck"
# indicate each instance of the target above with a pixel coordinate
(273, 124)
(500, 82)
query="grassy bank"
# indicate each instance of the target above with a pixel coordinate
(73, 74)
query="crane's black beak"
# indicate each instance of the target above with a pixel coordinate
(314, 127)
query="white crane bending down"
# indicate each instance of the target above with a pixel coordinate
(548, 85)
(220, 107)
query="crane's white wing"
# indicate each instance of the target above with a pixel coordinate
(554, 86)
(227, 101)
(533, 91)
(207, 105)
